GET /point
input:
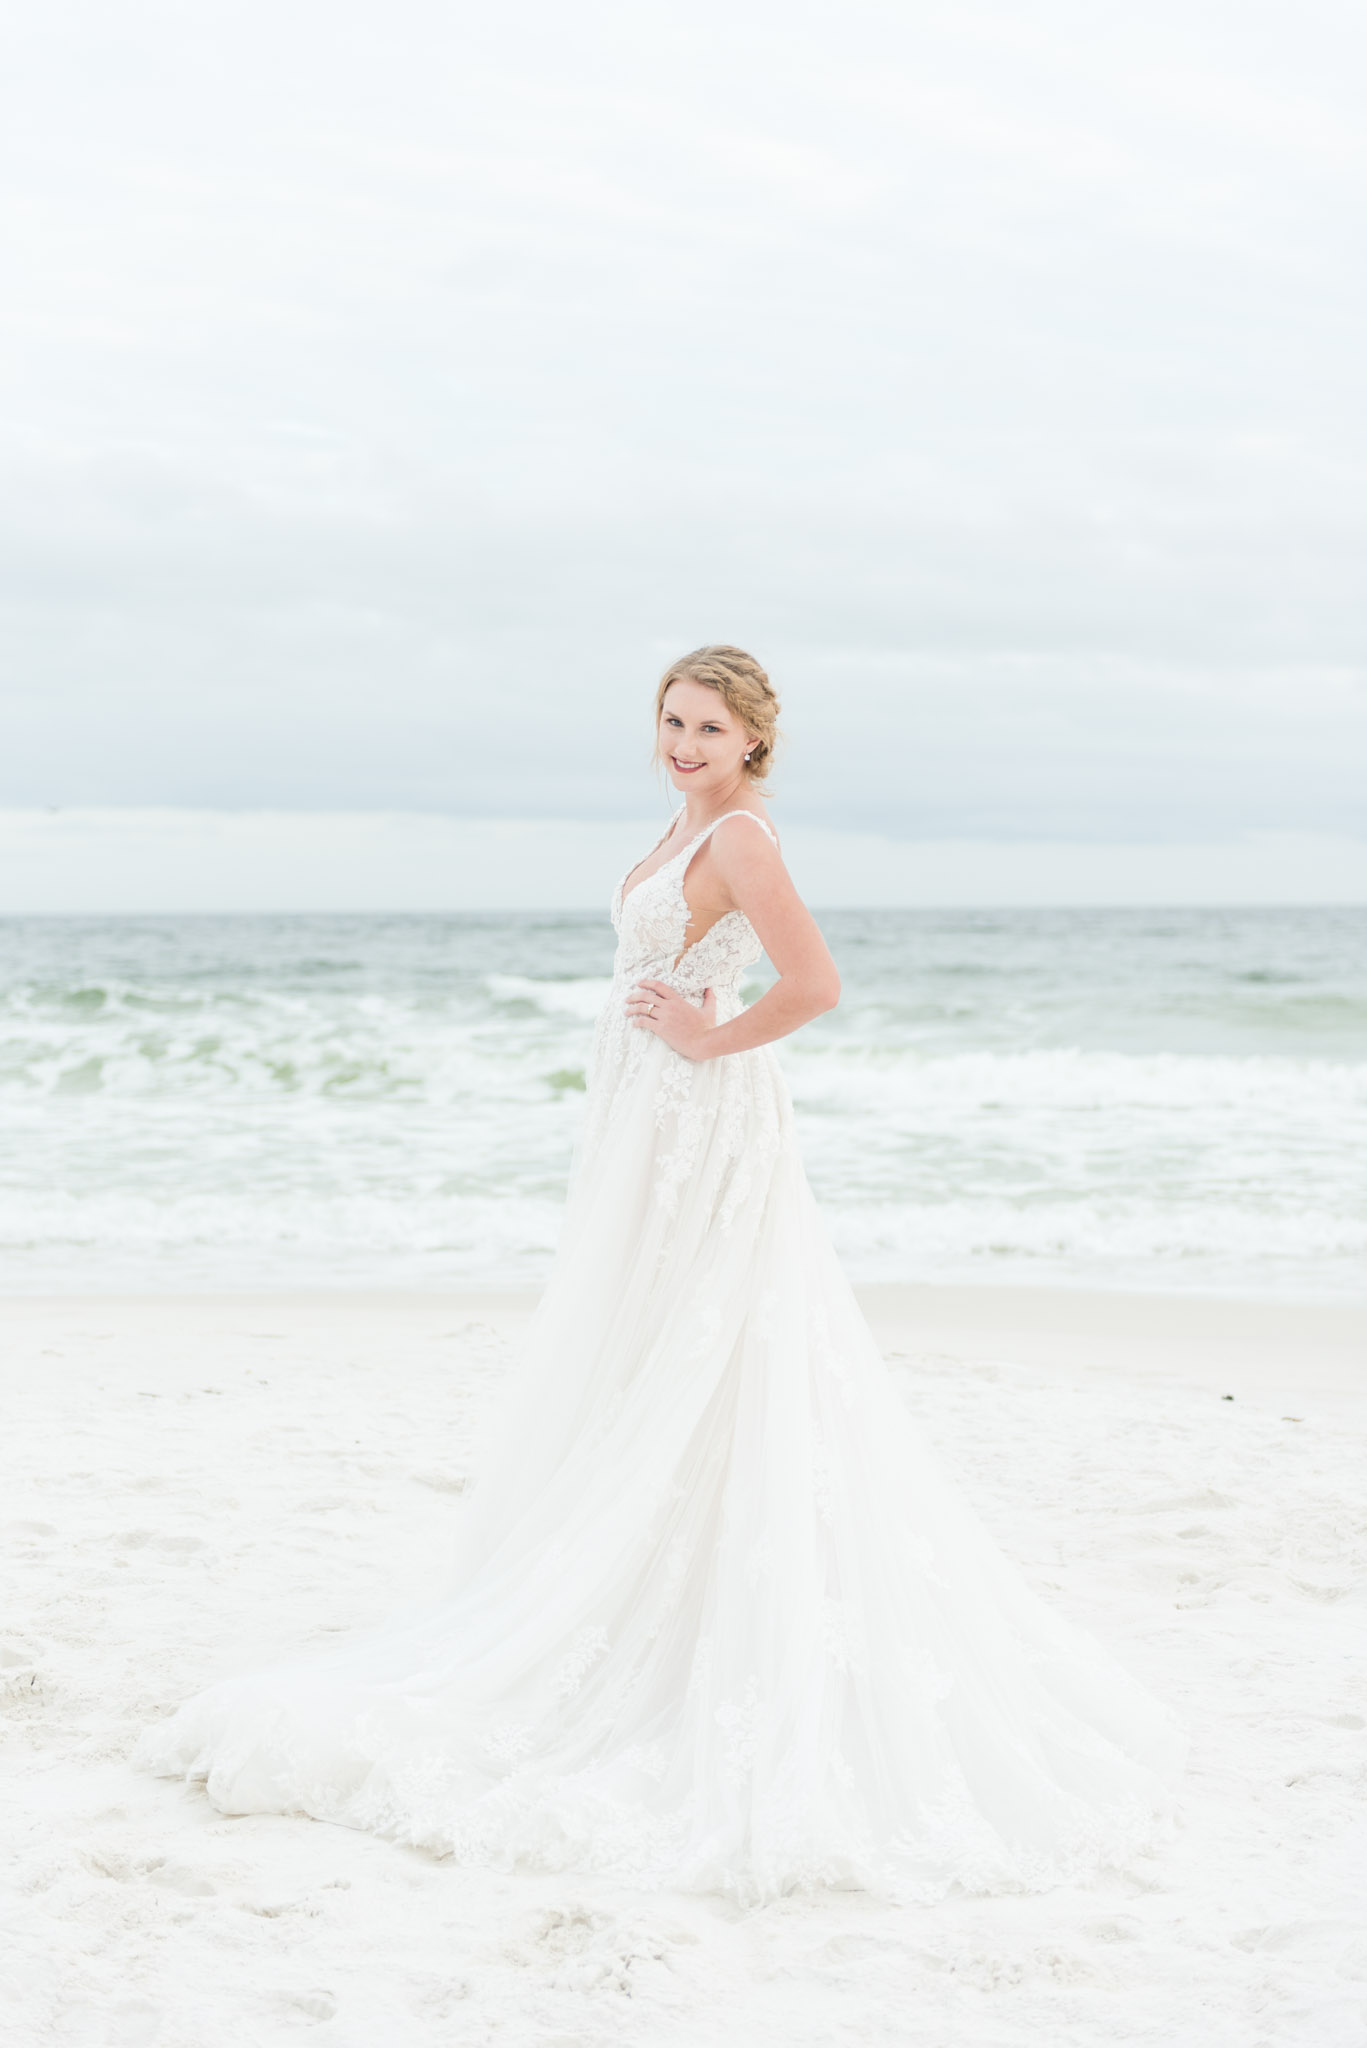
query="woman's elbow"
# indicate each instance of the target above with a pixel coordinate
(825, 992)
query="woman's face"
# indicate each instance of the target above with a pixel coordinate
(702, 742)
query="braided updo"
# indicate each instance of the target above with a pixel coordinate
(743, 687)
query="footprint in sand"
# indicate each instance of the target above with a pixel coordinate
(126, 1868)
(319, 2005)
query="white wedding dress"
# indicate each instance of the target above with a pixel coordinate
(718, 1620)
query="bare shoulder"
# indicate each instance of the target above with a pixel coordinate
(736, 834)
(746, 846)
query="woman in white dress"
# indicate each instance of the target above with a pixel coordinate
(718, 1620)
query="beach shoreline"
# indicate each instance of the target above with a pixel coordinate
(1195, 1339)
(197, 1484)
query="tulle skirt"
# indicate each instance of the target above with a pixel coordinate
(716, 1619)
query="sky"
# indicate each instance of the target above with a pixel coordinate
(97, 862)
(387, 393)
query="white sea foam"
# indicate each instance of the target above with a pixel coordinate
(582, 999)
(1142, 1099)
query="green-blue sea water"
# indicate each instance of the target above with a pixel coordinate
(1129, 1098)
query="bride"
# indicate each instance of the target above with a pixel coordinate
(718, 1620)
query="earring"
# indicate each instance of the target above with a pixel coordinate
(748, 755)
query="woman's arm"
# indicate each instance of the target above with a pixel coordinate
(751, 869)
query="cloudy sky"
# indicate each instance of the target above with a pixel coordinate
(389, 390)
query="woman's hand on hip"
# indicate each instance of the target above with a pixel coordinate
(655, 1006)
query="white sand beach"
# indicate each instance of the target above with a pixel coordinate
(195, 1484)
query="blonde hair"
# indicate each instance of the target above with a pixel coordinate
(743, 687)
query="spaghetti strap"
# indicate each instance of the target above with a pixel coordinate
(685, 853)
(708, 830)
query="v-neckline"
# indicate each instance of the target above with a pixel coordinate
(623, 892)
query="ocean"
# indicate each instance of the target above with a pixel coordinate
(1148, 1099)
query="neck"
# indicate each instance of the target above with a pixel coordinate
(701, 809)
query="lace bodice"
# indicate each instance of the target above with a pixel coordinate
(747, 1101)
(651, 922)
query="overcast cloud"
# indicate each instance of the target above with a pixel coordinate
(389, 390)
